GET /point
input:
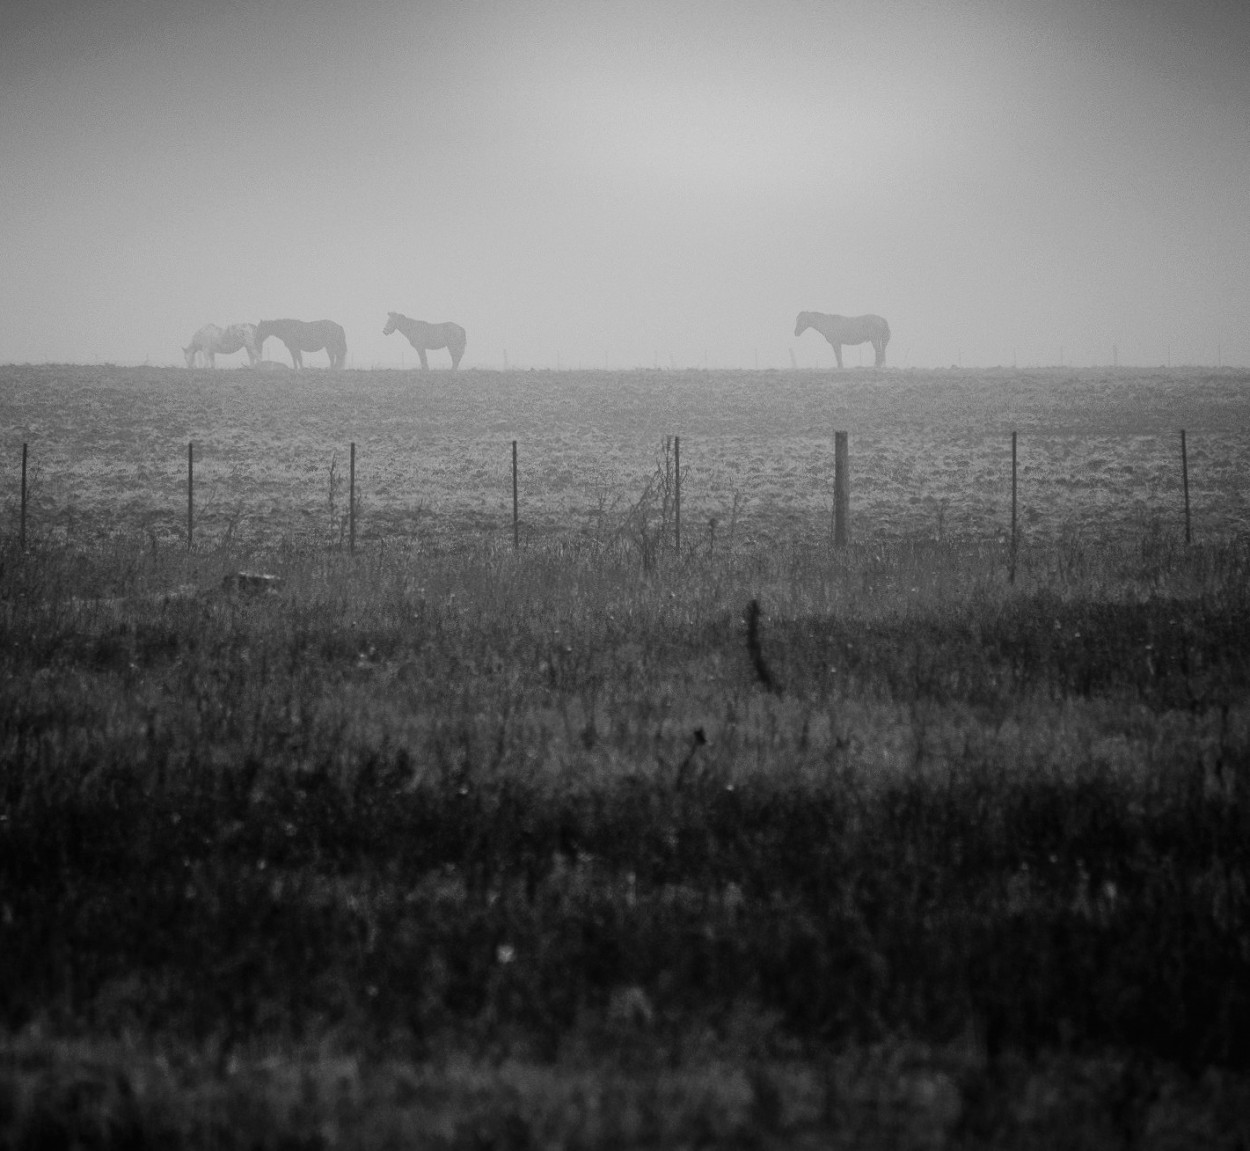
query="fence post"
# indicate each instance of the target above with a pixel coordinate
(190, 492)
(1011, 575)
(1185, 482)
(351, 500)
(516, 523)
(841, 491)
(677, 492)
(22, 528)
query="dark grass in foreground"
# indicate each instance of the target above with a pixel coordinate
(488, 849)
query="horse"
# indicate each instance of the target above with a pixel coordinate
(203, 343)
(211, 341)
(839, 330)
(427, 337)
(305, 337)
(239, 337)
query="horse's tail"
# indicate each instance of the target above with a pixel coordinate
(456, 341)
(885, 332)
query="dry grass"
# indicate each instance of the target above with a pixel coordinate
(930, 451)
(449, 842)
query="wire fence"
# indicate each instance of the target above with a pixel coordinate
(851, 489)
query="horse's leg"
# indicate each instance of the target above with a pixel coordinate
(297, 360)
(837, 351)
(425, 363)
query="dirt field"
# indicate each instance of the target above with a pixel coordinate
(1099, 450)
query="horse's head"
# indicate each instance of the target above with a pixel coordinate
(391, 319)
(261, 333)
(189, 355)
(802, 323)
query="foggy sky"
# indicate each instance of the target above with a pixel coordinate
(586, 183)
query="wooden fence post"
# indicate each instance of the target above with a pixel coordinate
(841, 491)
(677, 492)
(1185, 482)
(1011, 575)
(190, 492)
(351, 500)
(22, 522)
(516, 522)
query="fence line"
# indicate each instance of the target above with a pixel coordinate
(841, 509)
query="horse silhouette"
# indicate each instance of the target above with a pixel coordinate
(211, 341)
(428, 337)
(301, 336)
(839, 330)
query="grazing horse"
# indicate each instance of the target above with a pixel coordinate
(203, 343)
(211, 341)
(839, 330)
(239, 337)
(305, 337)
(426, 337)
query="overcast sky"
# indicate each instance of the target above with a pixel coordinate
(629, 183)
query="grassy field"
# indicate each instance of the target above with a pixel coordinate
(930, 451)
(443, 844)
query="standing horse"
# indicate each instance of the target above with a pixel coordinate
(839, 330)
(211, 341)
(428, 337)
(305, 337)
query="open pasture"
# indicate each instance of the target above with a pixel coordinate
(445, 845)
(1099, 451)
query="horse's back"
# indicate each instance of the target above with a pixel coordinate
(208, 336)
(307, 335)
(282, 329)
(237, 337)
(846, 328)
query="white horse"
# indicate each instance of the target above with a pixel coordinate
(240, 337)
(839, 330)
(428, 337)
(211, 341)
(203, 343)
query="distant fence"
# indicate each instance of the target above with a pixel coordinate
(841, 525)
